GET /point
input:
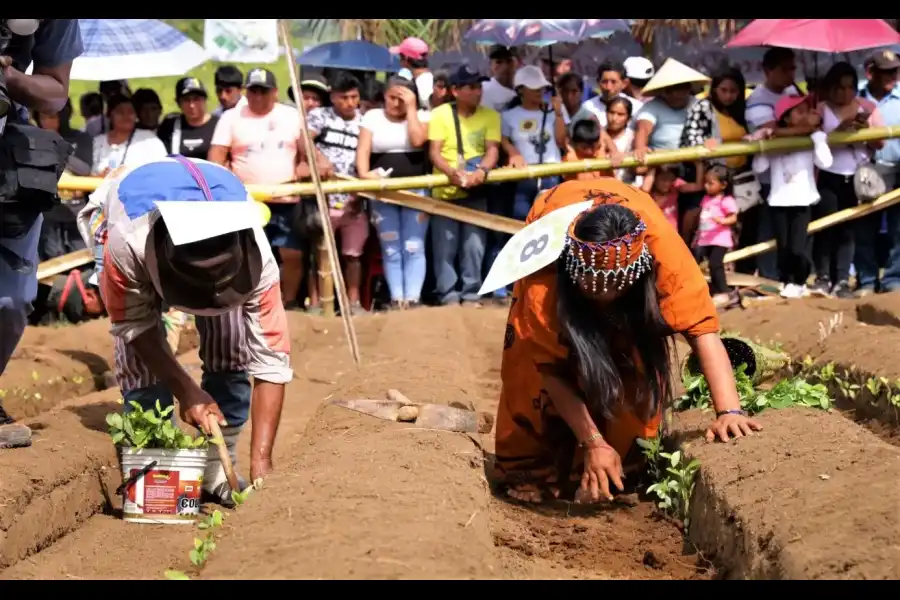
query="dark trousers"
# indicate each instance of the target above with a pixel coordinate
(832, 248)
(715, 256)
(756, 226)
(790, 224)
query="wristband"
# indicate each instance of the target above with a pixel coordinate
(596, 436)
(737, 411)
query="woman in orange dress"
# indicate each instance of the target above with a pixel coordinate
(586, 361)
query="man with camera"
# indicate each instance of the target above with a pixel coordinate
(34, 160)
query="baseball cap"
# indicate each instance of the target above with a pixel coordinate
(261, 78)
(411, 47)
(189, 85)
(465, 75)
(500, 52)
(201, 250)
(638, 67)
(530, 77)
(313, 82)
(885, 60)
(787, 103)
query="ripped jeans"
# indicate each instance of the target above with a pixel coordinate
(401, 232)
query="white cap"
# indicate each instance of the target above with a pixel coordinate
(531, 77)
(638, 67)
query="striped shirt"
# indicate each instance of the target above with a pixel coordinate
(250, 337)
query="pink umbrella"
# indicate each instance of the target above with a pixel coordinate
(818, 35)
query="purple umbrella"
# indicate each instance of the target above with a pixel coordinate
(543, 32)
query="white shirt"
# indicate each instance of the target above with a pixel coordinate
(143, 148)
(793, 175)
(523, 128)
(596, 107)
(496, 95)
(625, 144)
(425, 87)
(761, 110)
(387, 135)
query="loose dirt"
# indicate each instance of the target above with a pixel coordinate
(812, 496)
(356, 497)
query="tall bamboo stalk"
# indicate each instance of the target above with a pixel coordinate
(327, 231)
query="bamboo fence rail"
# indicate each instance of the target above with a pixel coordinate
(271, 193)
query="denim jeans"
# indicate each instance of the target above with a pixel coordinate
(499, 202)
(230, 389)
(401, 232)
(449, 239)
(865, 257)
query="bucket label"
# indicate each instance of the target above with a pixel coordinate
(163, 494)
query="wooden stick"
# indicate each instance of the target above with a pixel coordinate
(62, 264)
(323, 273)
(216, 432)
(321, 201)
(663, 157)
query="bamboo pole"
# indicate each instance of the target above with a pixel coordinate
(775, 146)
(327, 231)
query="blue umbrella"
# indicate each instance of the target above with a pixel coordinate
(126, 48)
(356, 55)
(543, 32)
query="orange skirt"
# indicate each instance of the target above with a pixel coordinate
(535, 446)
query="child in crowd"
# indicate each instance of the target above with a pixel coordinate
(718, 214)
(618, 135)
(793, 192)
(587, 143)
(666, 185)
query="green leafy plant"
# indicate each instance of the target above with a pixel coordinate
(651, 450)
(793, 392)
(697, 395)
(141, 428)
(675, 487)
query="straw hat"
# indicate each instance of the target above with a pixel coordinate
(673, 73)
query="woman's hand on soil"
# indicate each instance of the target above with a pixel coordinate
(736, 425)
(602, 464)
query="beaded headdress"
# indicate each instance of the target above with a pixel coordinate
(610, 265)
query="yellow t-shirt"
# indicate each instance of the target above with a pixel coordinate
(482, 127)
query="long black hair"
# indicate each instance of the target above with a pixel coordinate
(588, 327)
(737, 109)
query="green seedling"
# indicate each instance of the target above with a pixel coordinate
(674, 490)
(176, 575)
(650, 449)
(212, 520)
(826, 374)
(202, 549)
(141, 428)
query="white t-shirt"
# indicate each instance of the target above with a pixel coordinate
(144, 147)
(522, 127)
(387, 135)
(597, 107)
(425, 87)
(496, 95)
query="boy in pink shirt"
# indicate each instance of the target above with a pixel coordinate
(718, 213)
(262, 137)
